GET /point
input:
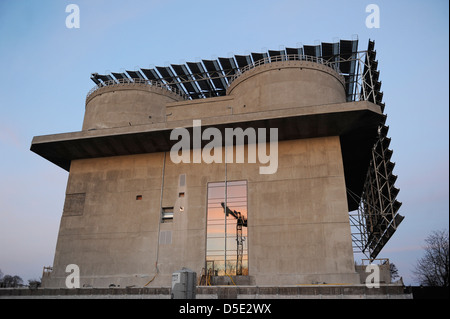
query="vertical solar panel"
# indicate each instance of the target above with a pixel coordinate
(312, 50)
(169, 77)
(151, 74)
(229, 67)
(201, 77)
(187, 80)
(259, 56)
(278, 55)
(243, 60)
(135, 75)
(294, 53)
(215, 73)
(330, 52)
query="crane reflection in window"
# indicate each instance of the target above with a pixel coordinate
(235, 260)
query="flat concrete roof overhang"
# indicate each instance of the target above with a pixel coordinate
(355, 122)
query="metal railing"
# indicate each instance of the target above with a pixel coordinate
(121, 82)
(280, 58)
(359, 83)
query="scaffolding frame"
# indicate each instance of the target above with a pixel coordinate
(377, 217)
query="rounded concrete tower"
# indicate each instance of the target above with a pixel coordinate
(287, 84)
(126, 104)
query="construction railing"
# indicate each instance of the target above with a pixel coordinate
(280, 58)
(121, 82)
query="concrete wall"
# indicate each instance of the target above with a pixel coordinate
(298, 228)
(127, 104)
(288, 84)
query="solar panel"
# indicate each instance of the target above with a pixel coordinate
(277, 53)
(135, 75)
(298, 51)
(347, 64)
(259, 56)
(216, 75)
(151, 74)
(95, 79)
(228, 63)
(229, 67)
(187, 80)
(294, 53)
(120, 76)
(312, 50)
(201, 77)
(330, 51)
(243, 60)
(102, 78)
(347, 50)
(168, 76)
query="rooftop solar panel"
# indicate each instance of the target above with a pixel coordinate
(169, 77)
(135, 75)
(201, 77)
(95, 79)
(298, 51)
(215, 72)
(330, 51)
(259, 56)
(187, 80)
(103, 78)
(211, 78)
(347, 49)
(228, 63)
(229, 67)
(151, 74)
(243, 60)
(273, 53)
(294, 53)
(312, 50)
(119, 76)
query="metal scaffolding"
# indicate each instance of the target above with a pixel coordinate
(377, 217)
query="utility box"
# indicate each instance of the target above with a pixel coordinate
(184, 284)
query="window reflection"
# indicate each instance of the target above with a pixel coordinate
(235, 262)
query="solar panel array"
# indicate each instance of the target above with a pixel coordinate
(210, 78)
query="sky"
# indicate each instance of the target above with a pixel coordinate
(46, 76)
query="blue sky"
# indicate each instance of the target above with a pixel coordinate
(46, 69)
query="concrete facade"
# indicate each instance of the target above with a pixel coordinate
(121, 176)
